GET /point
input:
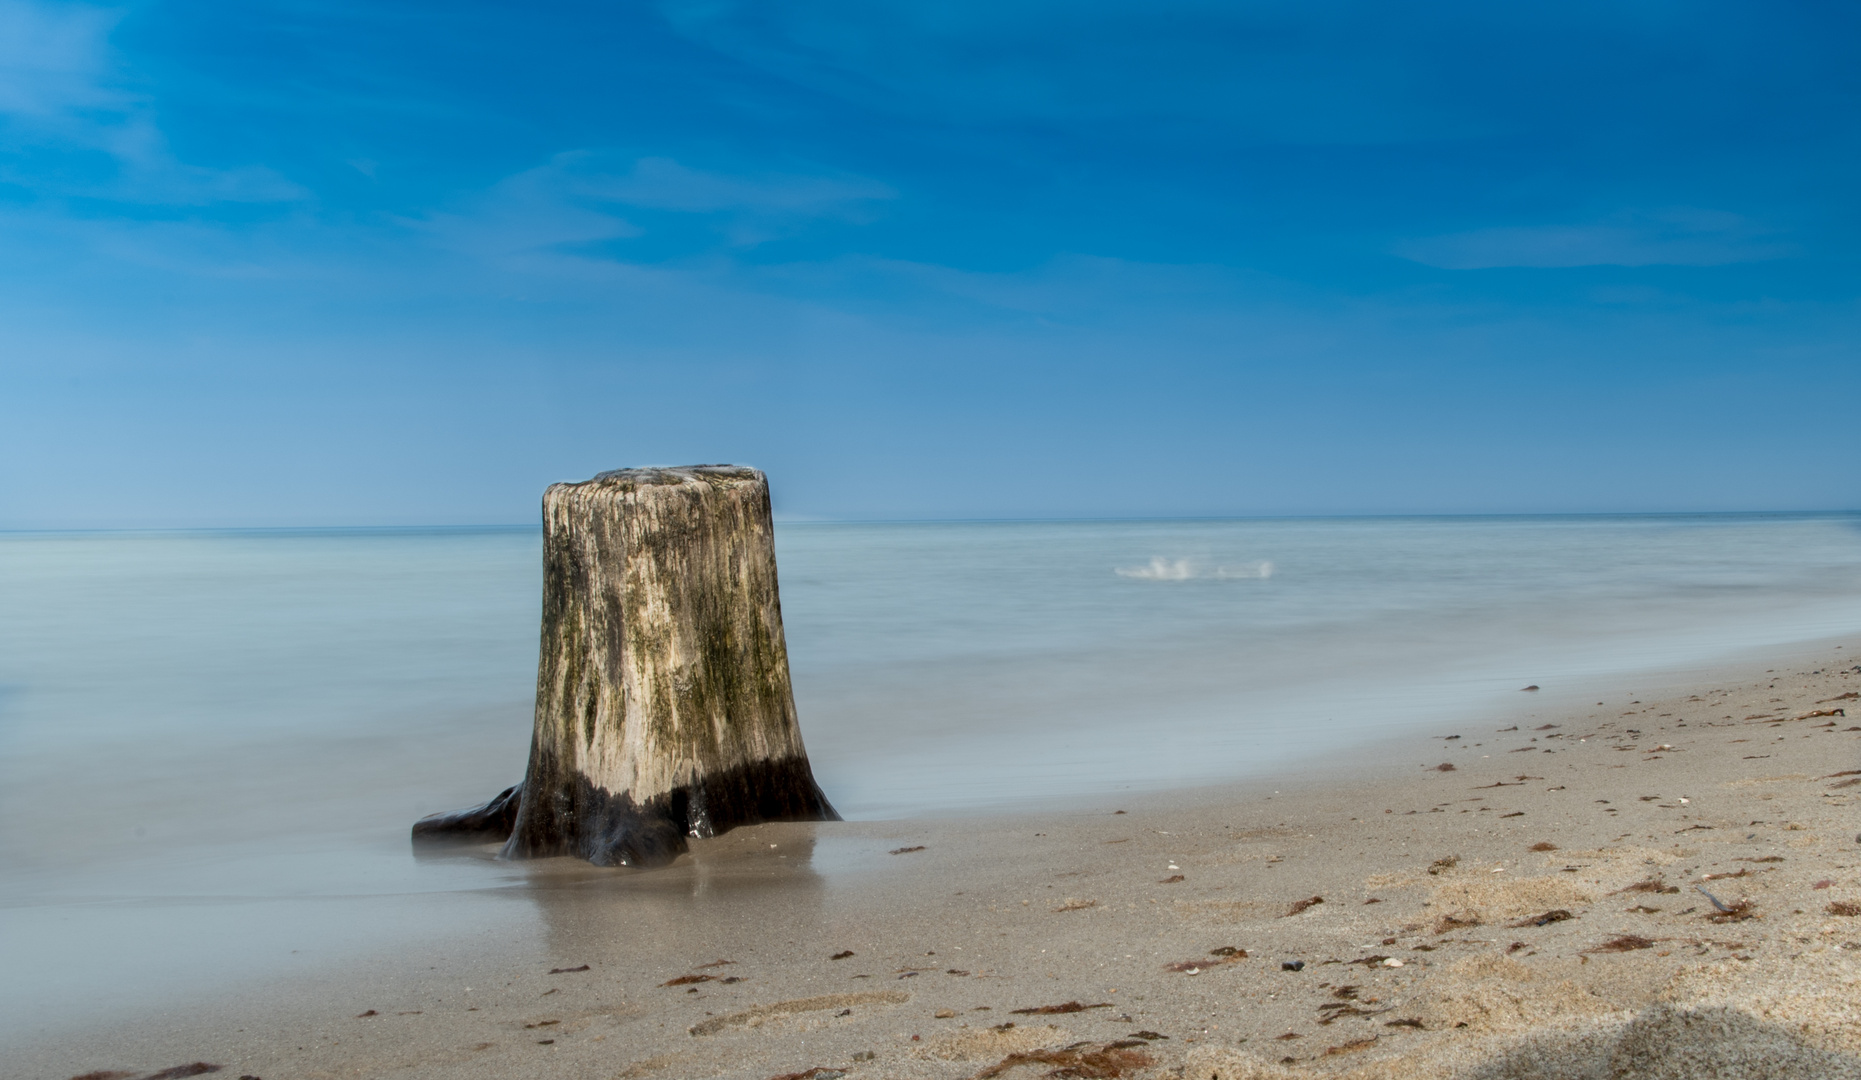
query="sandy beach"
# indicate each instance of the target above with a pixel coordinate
(700, 540)
(959, 541)
(1657, 886)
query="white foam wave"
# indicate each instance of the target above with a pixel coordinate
(1161, 569)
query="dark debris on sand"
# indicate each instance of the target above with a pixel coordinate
(1546, 919)
(1077, 1061)
(1652, 885)
(1625, 943)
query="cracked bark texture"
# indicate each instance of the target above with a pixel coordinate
(663, 705)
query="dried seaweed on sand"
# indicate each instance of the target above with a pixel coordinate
(1078, 1061)
(1625, 943)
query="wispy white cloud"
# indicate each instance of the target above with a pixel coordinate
(662, 183)
(53, 60)
(61, 92)
(1677, 237)
(533, 211)
(583, 197)
(1253, 69)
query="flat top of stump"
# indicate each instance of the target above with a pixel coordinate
(659, 475)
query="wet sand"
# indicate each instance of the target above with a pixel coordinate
(1658, 886)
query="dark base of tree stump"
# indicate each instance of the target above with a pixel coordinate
(490, 823)
(613, 830)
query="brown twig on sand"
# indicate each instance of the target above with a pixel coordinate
(1301, 905)
(1227, 954)
(1051, 1010)
(1760, 718)
(1351, 1047)
(1333, 1010)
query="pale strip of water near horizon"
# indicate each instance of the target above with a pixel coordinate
(212, 744)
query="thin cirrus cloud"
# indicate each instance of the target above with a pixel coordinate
(73, 130)
(54, 61)
(666, 184)
(580, 202)
(1674, 238)
(1245, 68)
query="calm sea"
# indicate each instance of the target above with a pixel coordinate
(212, 744)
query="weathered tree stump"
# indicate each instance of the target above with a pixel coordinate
(663, 705)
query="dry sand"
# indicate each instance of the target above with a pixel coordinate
(1538, 910)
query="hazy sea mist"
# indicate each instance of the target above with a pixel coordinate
(212, 744)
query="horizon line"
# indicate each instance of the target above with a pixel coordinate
(483, 527)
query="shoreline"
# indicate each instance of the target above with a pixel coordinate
(1041, 907)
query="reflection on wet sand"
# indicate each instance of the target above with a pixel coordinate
(728, 892)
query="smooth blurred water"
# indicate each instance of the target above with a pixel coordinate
(212, 744)
(946, 665)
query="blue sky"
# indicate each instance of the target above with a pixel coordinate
(389, 263)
